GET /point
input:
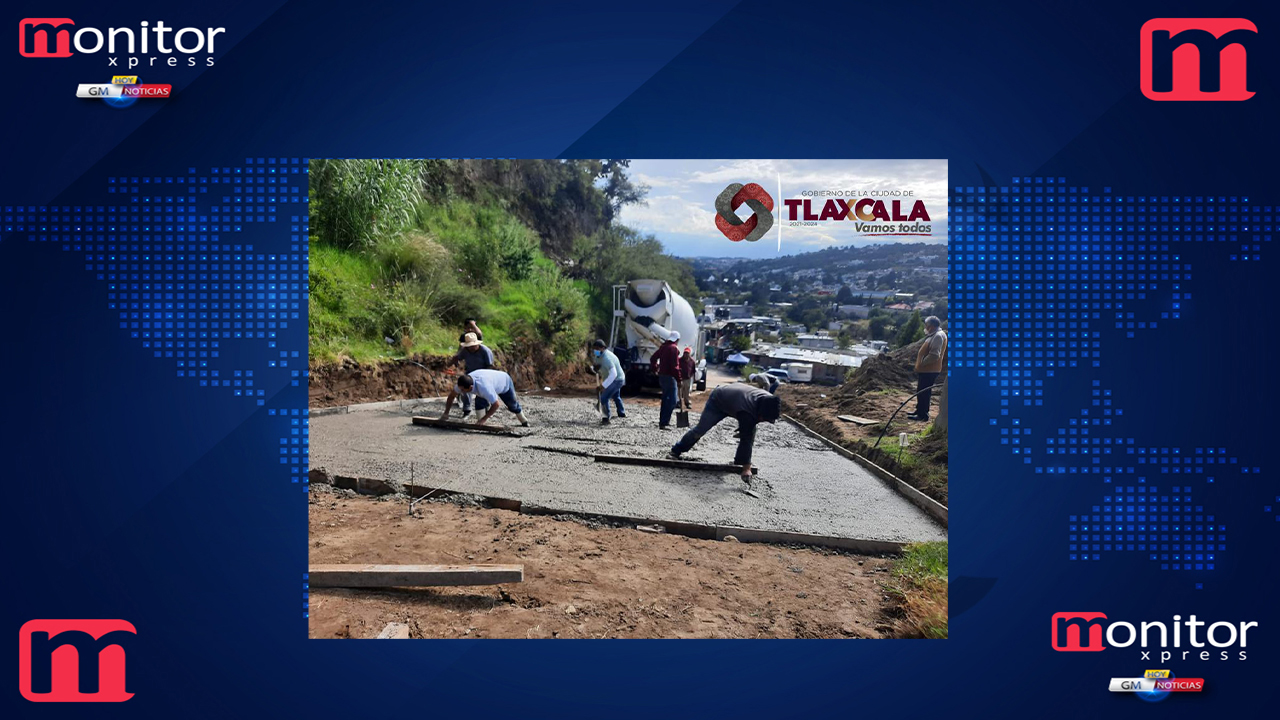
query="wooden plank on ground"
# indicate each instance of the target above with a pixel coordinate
(669, 462)
(775, 536)
(857, 420)
(394, 631)
(565, 451)
(379, 576)
(455, 425)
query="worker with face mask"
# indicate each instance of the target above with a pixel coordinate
(609, 369)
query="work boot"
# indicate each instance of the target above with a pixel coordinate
(604, 421)
(465, 413)
(674, 454)
(622, 415)
(524, 421)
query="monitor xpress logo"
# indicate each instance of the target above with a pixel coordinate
(1084, 632)
(1197, 59)
(74, 660)
(146, 45)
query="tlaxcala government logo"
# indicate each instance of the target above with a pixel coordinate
(123, 91)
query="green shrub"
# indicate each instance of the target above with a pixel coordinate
(356, 203)
(414, 255)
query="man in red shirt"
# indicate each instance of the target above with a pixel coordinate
(688, 368)
(666, 363)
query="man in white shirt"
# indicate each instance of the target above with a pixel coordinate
(613, 381)
(488, 386)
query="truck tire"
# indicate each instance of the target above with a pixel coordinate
(632, 386)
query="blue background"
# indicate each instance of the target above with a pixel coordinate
(138, 494)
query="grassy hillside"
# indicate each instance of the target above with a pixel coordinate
(402, 252)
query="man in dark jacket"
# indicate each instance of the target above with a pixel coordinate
(474, 356)
(666, 363)
(749, 405)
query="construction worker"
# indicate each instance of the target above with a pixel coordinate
(749, 405)
(469, 326)
(930, 359)
(765, 382)
(612, 381)
(474, 356)
(489, 386)
(688, 368)
(666, 363)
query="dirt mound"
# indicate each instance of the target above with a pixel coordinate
(349, 382)
(886, 371)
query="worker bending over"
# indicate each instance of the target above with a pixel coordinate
(489, 386)
(765, 382)
(612, 381)
(749, 405)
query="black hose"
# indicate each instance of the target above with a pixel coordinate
(895, 412)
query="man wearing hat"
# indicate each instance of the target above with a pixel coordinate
(749, 405)
(609, 368)
(474, 356)
(666, 363)
(688, 368)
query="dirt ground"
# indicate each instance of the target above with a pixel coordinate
(875, 391)
(584, 579)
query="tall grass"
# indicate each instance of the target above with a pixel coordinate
(356, 203)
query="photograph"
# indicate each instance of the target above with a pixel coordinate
(628, 398)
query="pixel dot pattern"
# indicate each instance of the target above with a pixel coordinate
(1043, 277)
(186, 283)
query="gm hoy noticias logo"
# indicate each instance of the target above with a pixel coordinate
(1197, 59)
(1189, 639)
(75, 660)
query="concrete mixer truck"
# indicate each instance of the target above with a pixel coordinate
(645, 312)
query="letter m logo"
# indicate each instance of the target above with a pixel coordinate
(74, 660)
(1077, 632)
(1197, 59)
(44, 37)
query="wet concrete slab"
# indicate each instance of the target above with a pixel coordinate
(803, 485)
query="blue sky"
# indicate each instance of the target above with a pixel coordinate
(680, 209)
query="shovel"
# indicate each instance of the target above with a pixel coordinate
(682, 418)
(599, 411)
